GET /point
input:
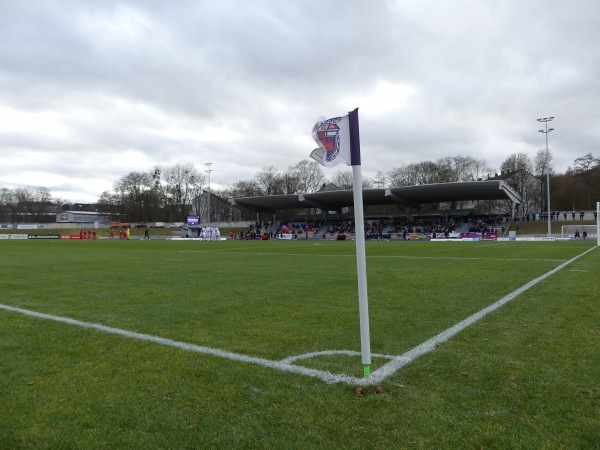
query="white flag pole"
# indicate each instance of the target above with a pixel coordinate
(598, 222)
(361, 269)
(359, 229)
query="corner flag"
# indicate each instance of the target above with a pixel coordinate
(339, 142)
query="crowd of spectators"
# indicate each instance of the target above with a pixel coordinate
(379, 229)
(486, 224)
(425, 224)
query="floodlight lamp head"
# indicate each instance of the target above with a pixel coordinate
(550, 129)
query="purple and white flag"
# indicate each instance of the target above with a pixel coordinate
(338, 140)
(333, 138)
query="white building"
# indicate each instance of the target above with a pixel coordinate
(83, 217)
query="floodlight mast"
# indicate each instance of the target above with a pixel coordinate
(208, 171)
(547, 130)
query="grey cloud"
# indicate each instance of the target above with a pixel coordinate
(120, 73)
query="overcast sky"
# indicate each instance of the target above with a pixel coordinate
(93, 90)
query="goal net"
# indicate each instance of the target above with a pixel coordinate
(569, 231)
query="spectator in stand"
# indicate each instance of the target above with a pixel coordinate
(565, 215)
(581, 214)
(573, 215)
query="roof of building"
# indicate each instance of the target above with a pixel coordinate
(410, 196)
(86, 213)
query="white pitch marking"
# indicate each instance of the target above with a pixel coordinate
(459, 258)
(327, 377)
(390, 368)
(291, 359)
(377, 376)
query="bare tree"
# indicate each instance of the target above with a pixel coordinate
(518, 168)
(543, 162)
(466, 168)
(290, 182)
(477, 170)
(343, 180)
(108, 202)
(310, 176)
(32, 203)
(270, 180)
(380, 179)
(405, 175)
(243, 189)
(177, 188)
(8, 203)
(131, 191)
(585, 163)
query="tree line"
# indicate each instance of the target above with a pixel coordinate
(167, 194)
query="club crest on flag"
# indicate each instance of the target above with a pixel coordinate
(328, 133)
(333, 138)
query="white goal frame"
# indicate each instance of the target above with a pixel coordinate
(568, 231)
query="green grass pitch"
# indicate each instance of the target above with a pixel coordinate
(526, 375)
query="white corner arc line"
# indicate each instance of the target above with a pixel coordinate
(391, 367)
(292, 359)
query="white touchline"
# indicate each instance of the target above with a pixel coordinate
(372, 257)
(286, 365)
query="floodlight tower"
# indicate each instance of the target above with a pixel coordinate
(547, 130)
(208, 171)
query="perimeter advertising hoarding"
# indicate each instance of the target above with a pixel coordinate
(13, 237)
(480, 235)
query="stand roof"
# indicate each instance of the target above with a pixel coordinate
(409, 196)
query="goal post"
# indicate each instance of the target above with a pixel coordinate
(577, 231)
